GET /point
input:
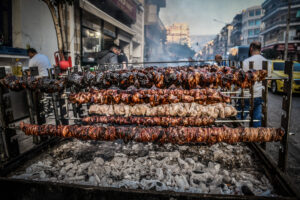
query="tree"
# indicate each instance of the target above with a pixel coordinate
(181, 51)
(56, 10)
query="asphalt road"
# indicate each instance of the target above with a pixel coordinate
(274, 120)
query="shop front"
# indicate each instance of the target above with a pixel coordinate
(100, 30)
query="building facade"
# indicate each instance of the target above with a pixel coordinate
(236, 35)
(90, 27)
(251, 24)
(179, 33)
(108, 22)
(274, 32)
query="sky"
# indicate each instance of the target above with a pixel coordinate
(200, 14)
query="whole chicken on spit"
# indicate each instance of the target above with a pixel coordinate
(154, 97)
(174, 135)
(218, 110)
(177, 77)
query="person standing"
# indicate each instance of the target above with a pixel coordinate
(123, 60)
(218, 59)
(257, 59)
(38, 60)
(108, 57)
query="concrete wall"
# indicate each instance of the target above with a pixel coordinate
(33, 26)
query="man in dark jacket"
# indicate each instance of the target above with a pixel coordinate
(109, 56)
(123, 60)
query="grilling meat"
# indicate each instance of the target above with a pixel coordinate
(153, 96)
(12, 82)
(175, 135)
(186, 78)
(150, 121)
(180, 77)
(218, 110)
(44, 84)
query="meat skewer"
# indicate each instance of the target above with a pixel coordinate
(150, 121)
(175, 135)
(219, 110)
(185, 78)
(44, 84)
(189, 78)
(154, 97)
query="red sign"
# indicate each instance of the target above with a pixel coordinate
(127, 6)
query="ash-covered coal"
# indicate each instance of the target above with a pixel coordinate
(216, 169)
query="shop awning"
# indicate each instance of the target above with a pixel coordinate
(280, 47)
(267, 47)
(89, 7)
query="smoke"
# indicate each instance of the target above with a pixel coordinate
(200, 14)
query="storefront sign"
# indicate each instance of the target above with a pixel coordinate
(127, 6)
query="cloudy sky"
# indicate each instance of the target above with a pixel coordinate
(200, 14)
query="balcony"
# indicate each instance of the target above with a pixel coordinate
(279, 7)
(271, 41)
(280, 25)
(280, 39)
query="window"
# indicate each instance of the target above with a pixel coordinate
(258, 12)
(257, 22)
(278, 66)
(91, 44)
(297, 67)
(251, 23)
(250, 40)
(5, 23)
(250, 32)
(298, 14)
(251, 13)
(256, 31)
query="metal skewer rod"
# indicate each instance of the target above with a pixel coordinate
(238, 92)
(242, 111)
(241, 97)
(238, 120)
(276, 78)
(66, 118)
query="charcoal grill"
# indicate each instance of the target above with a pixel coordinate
(27, 189)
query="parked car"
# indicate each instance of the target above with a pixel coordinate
(277, 69)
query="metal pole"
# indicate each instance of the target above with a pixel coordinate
(54, 102)
(251, 63)
(285, 118)
(4, 126)
(288, 19)
(242, 100)
(265, 101)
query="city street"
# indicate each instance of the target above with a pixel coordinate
(274, 110)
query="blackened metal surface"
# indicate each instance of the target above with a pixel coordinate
(279, 180)
(50, 191)
(16, 162)
(285, 118)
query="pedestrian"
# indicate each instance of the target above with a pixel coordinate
(108, 57)
(122, 59)
(38, 60)
(218, 59)
(191, 61)
(257, 59)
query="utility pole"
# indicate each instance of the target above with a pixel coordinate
(287, 30)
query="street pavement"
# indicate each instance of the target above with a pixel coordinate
(274, 119)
